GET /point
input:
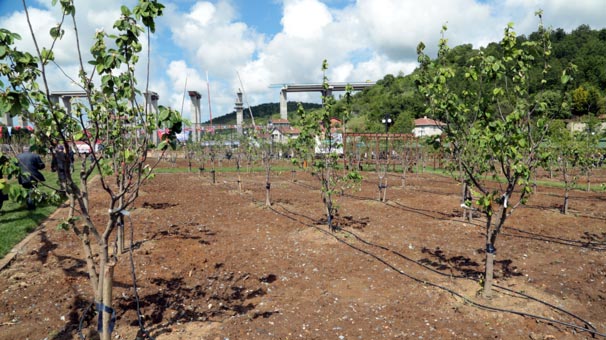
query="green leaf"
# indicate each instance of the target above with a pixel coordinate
(162, 145)
(125, 11)
(129, 156)
(56, 32)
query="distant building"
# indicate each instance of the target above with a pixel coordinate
(282, 131)
(582, 127)
(427, 127)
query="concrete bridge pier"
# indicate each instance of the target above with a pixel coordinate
(151, 101)
(283, 104)
(239, 111)
(195, 97)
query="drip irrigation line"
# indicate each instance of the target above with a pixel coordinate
(591, 245)
(464, 298)
(81, 322)
(590, 328)
(592, 331)
(142, 331)
(468, 278)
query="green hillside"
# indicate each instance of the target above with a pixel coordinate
(397, 96)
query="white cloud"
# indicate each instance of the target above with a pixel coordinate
(305, 19)
(209, 34)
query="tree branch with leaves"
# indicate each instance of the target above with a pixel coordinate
(493, 128)
(109, 113)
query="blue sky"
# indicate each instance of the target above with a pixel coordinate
(284, 41)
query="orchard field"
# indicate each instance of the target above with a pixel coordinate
(213, 262)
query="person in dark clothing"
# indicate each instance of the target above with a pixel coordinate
(61, 164)
(30, 164)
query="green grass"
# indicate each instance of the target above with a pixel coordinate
(16, 222)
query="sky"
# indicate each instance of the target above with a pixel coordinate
(221, 46)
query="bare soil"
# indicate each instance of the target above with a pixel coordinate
(215, 263)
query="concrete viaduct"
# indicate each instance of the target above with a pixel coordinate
(151, 101)
(332, 87)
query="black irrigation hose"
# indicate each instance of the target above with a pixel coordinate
(459, 276)
(469, 301)
(591, 245)
(142, 331)
(82, 320)
(593, 331)
(467, 278)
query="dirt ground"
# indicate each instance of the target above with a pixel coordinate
(215, 263)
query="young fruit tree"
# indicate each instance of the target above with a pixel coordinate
(316, 141)
(493, 125)
(565, 153)
(109, 112)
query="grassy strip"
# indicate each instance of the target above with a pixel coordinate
(16, 221)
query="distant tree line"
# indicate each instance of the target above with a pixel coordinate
(585, 94)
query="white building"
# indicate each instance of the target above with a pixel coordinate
(427, 127)
(282, 131)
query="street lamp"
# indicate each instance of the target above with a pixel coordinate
(387, 121)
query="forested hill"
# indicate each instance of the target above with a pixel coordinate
(583, 47)
(262, 113)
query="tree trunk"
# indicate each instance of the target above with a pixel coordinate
(491, 237)
(565, 207)
(108, 281)
(405, 164)
(328, 202)
(488, 275)
(465, 197)
(384, 190)
(90, 262)
(490, 254)
(267, 196)
(267, 183)
(120, 235)
(566, 193)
